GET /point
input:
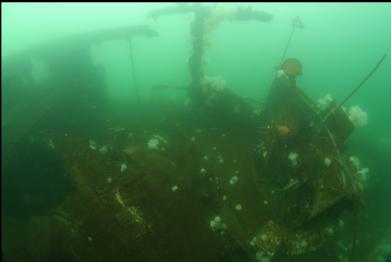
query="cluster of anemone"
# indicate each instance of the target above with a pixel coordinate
(216, 224)
(156, 142)
(324, 102)
(357, 116)
(94, 146)
(216, 18)
(215, 83)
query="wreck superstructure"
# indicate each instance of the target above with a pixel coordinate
(213, 181)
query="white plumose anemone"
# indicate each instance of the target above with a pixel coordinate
(293, 158)
(123, 167)
(156, 142)
(358, 116)
(217, 224)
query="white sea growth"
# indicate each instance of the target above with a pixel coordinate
(174, 188)
(262, 257)
(109, 180)
(358, 117)
(327, 161)
(153, 144)
(238, 207)
(330, 231)
(103, 149)
(293, 158)
(92, 144)
(328, 98)
(292, 183)
(264, 154)
(234, 180)
(217, 224)
(383, 249)
(324, 102)
(216, 83)
(253, 241)
(51, 144)
(266, 202)
(220, 159)
(280, 73)
(355, 162)
(224, 197)
(89, 238)
(341, 223)
(156, 142)
(203, 171)
(363, 175)
(123, 167)
(304, 243)
(342, 258)
(205, 158)
(237, 172)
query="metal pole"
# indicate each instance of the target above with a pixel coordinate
(296, 23)
(286, 47)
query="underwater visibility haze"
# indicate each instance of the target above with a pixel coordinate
(196, 132)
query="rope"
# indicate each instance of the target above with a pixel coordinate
(359, 86)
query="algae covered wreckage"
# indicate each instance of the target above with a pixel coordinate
(219, 179)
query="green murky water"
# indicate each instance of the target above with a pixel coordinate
(82, 105)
